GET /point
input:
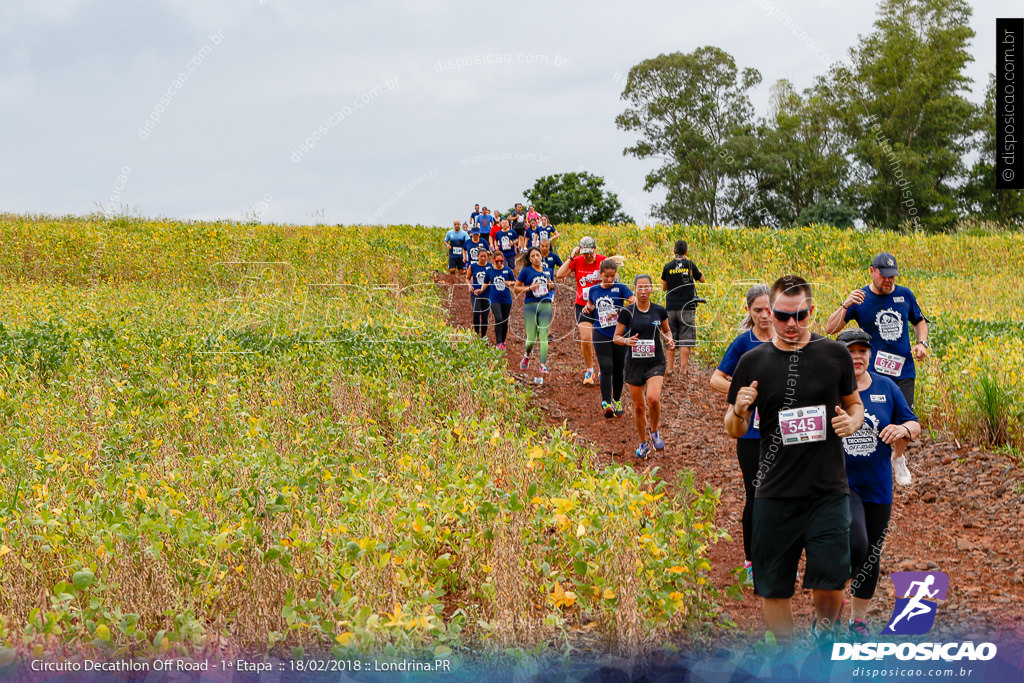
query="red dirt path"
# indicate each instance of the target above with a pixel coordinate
(962, 514)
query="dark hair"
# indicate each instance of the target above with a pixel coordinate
(681, 248)
(524, 257)
(641, 276)
(790, 285)
(609, 264)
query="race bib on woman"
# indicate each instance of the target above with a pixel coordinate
(644, 348)
(802, 425)
(889, 364)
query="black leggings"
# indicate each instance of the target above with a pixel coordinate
(612, 360)
(501, 313)
(748, 452)
(481, 308)
(869, 523)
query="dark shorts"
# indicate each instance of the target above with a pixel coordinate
(784, 527)
(907, 388)
(681, 323)
(456, 262)
(582, 317)
(637, 374)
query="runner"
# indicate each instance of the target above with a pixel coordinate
(476, 212)
(508, 242)
(883, 308)
(476, 277)
(533, 234)
(637, 328)
(603, 304)
(484, 221)
(756, 329)
(583, 263)
(455, 240)
(887, 420)
(498, 288)
(677, 278)
(517, 219)
(537, 281)
(550, 257)
(796, 383)
(473, 246)
(547, 231)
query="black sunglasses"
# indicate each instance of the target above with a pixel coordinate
(784, 317)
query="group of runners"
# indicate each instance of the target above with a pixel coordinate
(821, 425)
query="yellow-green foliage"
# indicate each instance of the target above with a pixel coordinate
(269, 437)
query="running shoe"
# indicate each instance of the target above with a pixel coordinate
(608, 408)
(538, 380)
(501, 347)
(525, 362)
(543, 369)
(900, 471)
(659, 443)
(859, 630)
(822, 639)
(588, 376)
(749, 566)
(643, 451)
(618, 408)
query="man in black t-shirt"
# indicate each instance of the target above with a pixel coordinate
(518, 219)
(806, 397)
(677, 278)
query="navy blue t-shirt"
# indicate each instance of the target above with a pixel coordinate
(478, 276)
(868, 458)
(545, 278)
(885, 318)
(500, 281)
(739, 346)
(506, 241)
(607, 303)
(553, 260)
(473, 248)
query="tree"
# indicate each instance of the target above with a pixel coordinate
(576, 197)
(692, 112)
(798, 160)
(907, 113)
(980, 196)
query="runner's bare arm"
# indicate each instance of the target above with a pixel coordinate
(666, 332)
(921, 331)
(566, 267)
(720, 382)
(837, 320)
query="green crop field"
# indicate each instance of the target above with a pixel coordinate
(267, 437)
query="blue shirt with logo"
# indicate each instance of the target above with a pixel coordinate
(456, 238)
(473, 248)
(506, 241)
(739, 346)
(553, 260)
(607, 303)
(500, 282)
(485, 222)
(887, 318)
(478, 276)
(546, 279)
(868, 458)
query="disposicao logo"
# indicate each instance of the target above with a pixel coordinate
(914, 613)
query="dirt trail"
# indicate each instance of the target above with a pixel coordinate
(962, 514)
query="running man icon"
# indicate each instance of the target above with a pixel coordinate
(916, 609)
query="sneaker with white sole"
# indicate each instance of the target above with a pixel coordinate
(901, 472)
(643, 451)
(543, 369)
(618, 408)
(608, 408)
(524, 363)
(588, 376)
(659, 443)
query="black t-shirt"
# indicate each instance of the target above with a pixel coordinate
(816, 375)
(646, 324)
(518, 221)
(679, 274)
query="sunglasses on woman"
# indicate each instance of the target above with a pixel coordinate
(784, 317)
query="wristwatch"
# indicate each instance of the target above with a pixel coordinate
(924, 343)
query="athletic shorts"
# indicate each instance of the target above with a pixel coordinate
(783, 528)
(907, 389)
(582, 317)
(637, 374)
(681, 322)
(456, 262)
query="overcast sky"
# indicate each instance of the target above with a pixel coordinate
(396, 112)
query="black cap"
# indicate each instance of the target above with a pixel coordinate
(852, 336)
(885, 263)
